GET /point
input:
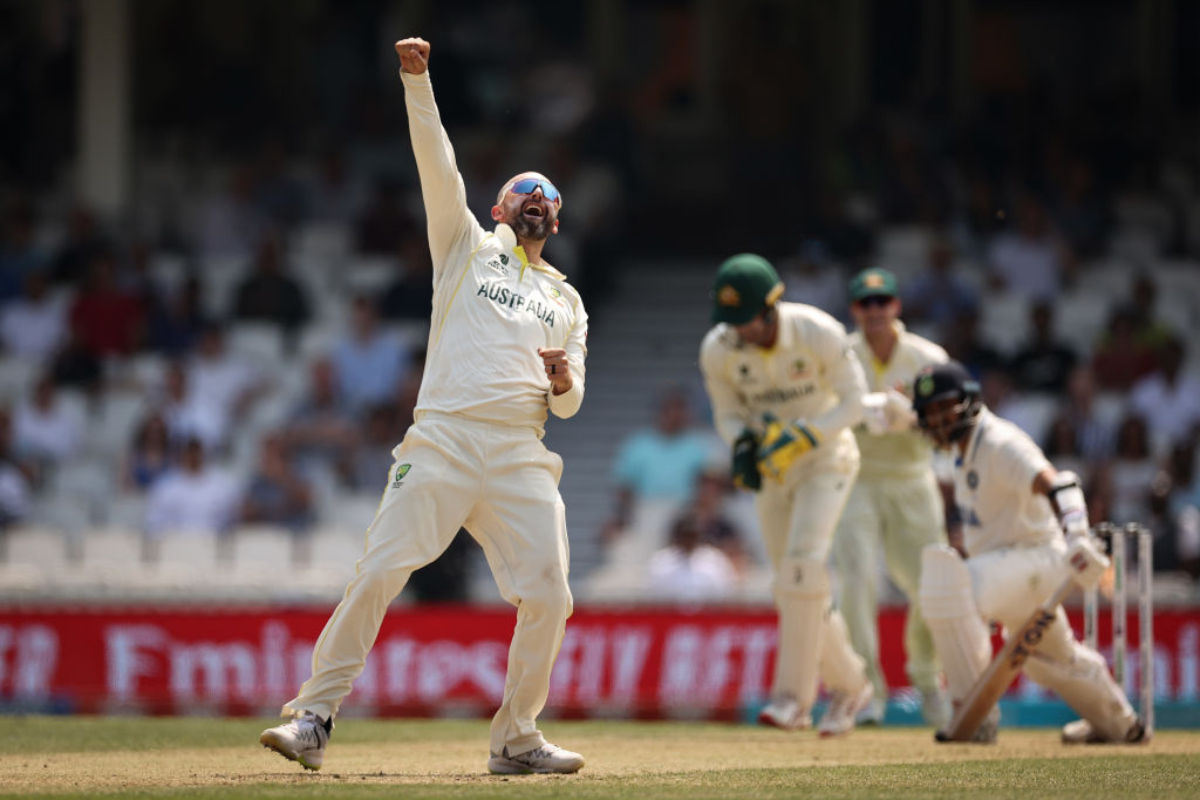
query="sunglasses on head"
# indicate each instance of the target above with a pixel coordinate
(875, 300)
(528, 185)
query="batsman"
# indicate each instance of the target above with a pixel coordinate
(785, 390)
(1025, 529)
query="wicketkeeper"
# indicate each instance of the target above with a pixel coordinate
(1015, 509)
(785, 389)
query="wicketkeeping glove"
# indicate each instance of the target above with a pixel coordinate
(745, 462)
(783, 443)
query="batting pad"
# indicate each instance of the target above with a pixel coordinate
(802, 590)
(958, 631)
(1081, 677)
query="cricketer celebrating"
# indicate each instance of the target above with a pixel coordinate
(1015, 508)
(785, 390)
(506, 343)
(896, 505)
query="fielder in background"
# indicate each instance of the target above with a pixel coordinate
(1016, 508)
(785, 390)
(896, 505)
(506, 344)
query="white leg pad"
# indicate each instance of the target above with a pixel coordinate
(1081, 677)
(958, 630)
(802, 590)
(842, 669)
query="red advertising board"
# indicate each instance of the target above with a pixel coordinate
(439, 660)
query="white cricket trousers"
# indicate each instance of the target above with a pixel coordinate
(501, 484)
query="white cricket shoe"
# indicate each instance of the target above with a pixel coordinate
(873, 713)
(1081, 732)
(302, 740)
(541, 760)
(843, 710)
(786, 714)
(935, 709)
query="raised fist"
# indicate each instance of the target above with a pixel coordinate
(414, 55)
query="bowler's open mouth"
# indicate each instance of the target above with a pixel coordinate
(533, 209)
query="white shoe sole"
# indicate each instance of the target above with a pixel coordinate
(504, 766)
(272, 741)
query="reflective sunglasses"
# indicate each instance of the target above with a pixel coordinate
(874, 300)
(528, 185)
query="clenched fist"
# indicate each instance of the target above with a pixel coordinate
(414, 55)
(558, 369)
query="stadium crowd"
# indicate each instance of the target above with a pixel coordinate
(246, 350)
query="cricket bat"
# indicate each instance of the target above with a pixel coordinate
(1003, 669)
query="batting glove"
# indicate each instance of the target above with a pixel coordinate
(745, 462)
(1085, 561)
(783, 443)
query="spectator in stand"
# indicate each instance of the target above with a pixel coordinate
(964, 345)
(411, 296)
(107, 318)
(278, 196)
(660, 465)
(177, 320)
(370, 362)
(1131, 472)
(221, 382)
(277, 494)
(937, 296)
(194, 498)
(45, 431)
(1029, 260)
(1007, 402)
(979, 221)
(1168, 399)
(688, 570)
(335, 195)
(811, 277)
(386, 223)
(1095, 435)
(83, 243)
(1045, 362)
(1121, 359)
(707, 512)
(150, 455)
(1062, 447)
(321, 433)
(1081, 211)
(1183, 509)
(268, 293)
(19, 255)
(373, 456)
(1148, 329)
(34, 325)
(75, 366)
(187, 415)
(231, 222)
(15, 477)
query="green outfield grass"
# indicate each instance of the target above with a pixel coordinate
(221, 758)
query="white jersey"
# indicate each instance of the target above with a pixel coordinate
(903, 453)
(810, 374)
(492, 308)
(993, 488)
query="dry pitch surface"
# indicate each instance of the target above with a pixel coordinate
(219, 758)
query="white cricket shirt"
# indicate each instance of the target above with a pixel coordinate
(492, 309)
(993, 488)
(810, 374)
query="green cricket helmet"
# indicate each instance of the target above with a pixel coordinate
(745, 285)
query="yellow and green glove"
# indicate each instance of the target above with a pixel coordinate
(783, 443)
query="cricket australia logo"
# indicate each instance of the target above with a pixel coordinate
(799, 368)
(401, 471)
(498, 263)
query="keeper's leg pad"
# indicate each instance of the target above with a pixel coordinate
(842, 669)
(958, 630)
(802, 589)
(1081, 678)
